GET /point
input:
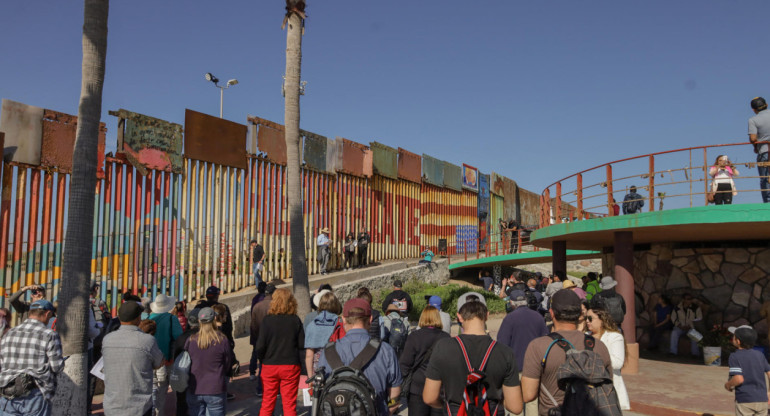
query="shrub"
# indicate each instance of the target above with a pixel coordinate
(448, 293)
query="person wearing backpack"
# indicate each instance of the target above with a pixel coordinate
(325, 327)
(632, 202)
(458, 366)
(610, 300)
(381, 385)
(168, 329)
(544, 357)
(377, 328)
(193, 326)
(396, 329)
(211, 359)
(414, 360)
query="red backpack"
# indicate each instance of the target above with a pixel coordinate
(475, 394)
(338, 332)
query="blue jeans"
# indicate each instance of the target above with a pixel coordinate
(256, 273)
(33, 404)
(764, 172)
(206, 404)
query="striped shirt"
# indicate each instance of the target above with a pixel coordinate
(33, 349)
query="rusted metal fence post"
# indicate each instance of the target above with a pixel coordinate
(610, 198)
(651, 186)
(579, 180)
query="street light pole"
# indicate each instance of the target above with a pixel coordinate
(215, 80)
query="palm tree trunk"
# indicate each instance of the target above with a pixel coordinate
(74, 306)
(294, 178)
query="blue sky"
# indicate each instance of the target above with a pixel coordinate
(533, 90)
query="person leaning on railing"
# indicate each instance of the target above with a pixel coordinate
(722, 184)
(759, 135)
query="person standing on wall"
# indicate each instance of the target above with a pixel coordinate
(324, 249)
(363, 247)
(759, 136)
(257, 260)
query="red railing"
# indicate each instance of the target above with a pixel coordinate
(504, 244)
(591, 193)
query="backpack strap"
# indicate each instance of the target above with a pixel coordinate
(366, 355)
(557, 340)
(467, 359)
(332, 356)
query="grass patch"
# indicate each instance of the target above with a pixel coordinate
(448, 293)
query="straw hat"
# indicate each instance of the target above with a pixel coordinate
(163, 303)
(325, 230)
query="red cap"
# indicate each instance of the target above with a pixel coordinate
(356, 303)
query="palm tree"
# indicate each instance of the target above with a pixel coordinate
(295, 17)
(74, 306)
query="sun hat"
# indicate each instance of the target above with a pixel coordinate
(325, 230)
(163, 303)
(317, 297)
(568, 284)
(607, 283)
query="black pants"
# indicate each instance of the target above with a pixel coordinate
(349, 259)
(362, 255)
(724, 194)
(417, 407)
(181, 403)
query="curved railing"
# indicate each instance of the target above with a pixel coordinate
(679, 178)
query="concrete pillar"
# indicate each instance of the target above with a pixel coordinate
(559, 257)
(624, 267)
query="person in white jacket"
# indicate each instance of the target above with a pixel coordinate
(602, 326)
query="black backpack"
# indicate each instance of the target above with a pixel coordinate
(346, 391)
(397, 335)
(587, 385)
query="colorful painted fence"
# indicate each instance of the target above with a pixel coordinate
(176, 208)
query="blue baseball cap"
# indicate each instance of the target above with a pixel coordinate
(435, 301)
(41, 304)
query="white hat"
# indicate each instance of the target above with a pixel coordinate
(317, 297)
(607, 283)
(163, 303)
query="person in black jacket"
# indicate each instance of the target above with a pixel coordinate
(363, 247)
(414, 360)
(398, 295)
(376, 329)
(212, 298)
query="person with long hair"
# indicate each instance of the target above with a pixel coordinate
(281, 339)
(602, 326)
(211, 358)
(414, 360)
(722, 185)
(320, 329)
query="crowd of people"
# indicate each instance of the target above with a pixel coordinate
(371, 357)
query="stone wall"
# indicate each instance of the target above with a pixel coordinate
(437, 273)
(731, 283)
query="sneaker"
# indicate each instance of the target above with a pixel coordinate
(230, 396)
(252, 377)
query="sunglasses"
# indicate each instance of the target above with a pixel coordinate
(589, 318)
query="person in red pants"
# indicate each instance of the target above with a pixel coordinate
(281, 339)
